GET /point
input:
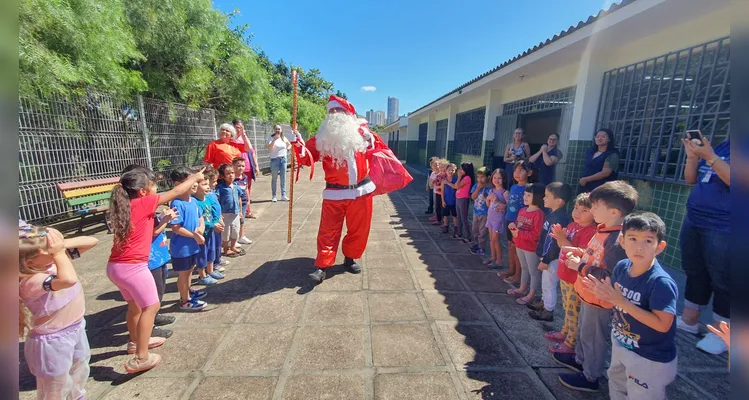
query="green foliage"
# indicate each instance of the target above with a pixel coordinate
(177, 50)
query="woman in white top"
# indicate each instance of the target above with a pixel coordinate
(278, 146)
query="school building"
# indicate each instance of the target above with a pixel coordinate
(646, 69)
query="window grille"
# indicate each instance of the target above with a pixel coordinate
(469, 131)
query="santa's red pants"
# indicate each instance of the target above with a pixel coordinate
(358, 216)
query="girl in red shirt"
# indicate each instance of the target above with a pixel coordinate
(526, 231)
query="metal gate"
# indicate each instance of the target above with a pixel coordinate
(503, 131)
(441, 138)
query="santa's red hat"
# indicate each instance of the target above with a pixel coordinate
(339, 102)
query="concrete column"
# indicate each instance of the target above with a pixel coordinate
(493, 110)
(587, 96)
(432, 127)
(413, 130)
(451, 122)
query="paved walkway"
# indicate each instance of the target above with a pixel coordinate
(424, 320)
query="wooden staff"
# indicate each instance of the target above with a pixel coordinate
(294, 81)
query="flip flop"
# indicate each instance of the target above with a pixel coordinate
(510, 281)
(554, 336)
(521, 301)
(515, 292)
(561, 348)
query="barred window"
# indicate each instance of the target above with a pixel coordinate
(650, 104)
(423, 135)
(546, 101)
(469, 131)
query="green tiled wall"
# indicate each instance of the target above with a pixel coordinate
(450, 150)
(412, 152)
(668, 200)
(431, 150)
(422, 156)
(488, 154)
(402, 149)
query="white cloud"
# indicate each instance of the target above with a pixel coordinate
(368, 88)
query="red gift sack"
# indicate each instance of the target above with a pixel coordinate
(386, 170)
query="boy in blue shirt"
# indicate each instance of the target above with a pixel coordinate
(187, 228)
(241, 182)
(479, 193)
(157, 263)
(208, 250)
(231, 207)
(449, 200)
(643, 350)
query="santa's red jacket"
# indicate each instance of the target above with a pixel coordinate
(346, 180)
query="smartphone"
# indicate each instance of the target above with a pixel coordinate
(695, 135)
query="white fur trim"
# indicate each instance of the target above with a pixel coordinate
(353, 172)
(334, 104)
(348, 194)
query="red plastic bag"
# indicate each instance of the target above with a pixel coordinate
(386, 170)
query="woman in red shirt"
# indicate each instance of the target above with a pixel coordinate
(224, 150)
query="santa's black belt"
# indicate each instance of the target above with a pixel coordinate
(357, 186)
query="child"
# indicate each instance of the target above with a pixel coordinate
(466, 178)
(131, 215)
(158, 259)
(556, 196)
(56, 349)
(231, 206)
(212, 175)
(430, 185)
(187, 228)
(241, 181)
(577, 234)
(643, 347)
(523, 174)
(211, 247)
(611, 202)
(495, 219)
(449, 200)
(437, 182)
(479, 193)
(526, 231)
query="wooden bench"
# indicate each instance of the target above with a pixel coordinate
(88, 193)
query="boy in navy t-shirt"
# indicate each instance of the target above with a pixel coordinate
(643, 354)
(449, 200)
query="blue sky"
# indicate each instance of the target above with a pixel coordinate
(415, 50)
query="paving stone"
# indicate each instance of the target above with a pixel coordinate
(525, 333)
(178, 355)
(438, 280)
(336, 308)
(429, 386)
(453, 246)
(550, 378)
(275, 308)
(505, 385)
(430, 262)
(330, 347)
(422, 247)
(385, 246)
(147, 388)
(234, 388)
(477, 346)
(328, 387)
(466, 262)
(404, 345)
(250, 348)
(224, 309)
(338, 279)
(455, 306)
(414, 235)
(689, 355)
(483, 281)
(717, 384)
(384, 307)
(385, 260)
(381, 235)
(285, 278)
(390, 280)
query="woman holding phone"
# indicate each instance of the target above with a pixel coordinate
(601, 161)
(705, 236)
(278, 146)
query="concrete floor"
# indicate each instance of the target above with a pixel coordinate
(424, 320)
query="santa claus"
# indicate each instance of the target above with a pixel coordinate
(341, 143)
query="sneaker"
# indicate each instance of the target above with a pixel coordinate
(712, 344)
(535, 304)
(207, 281)
(217, 275)
(561, 348)
(555, 336)
(192, 305)
(578, 381)
(153, 342)
(161, 332)
(478, 251)
(541, 315)
(237, 244)
(351, 265)
(223, 262)
(693, 329)
(244, 240)
(433, 218)
(568, 361)
(273, 199)
(427, 212)
(318, 276)
(161, 319)
(220, 268)
(136, 365)
(284, 198)
(197, 294)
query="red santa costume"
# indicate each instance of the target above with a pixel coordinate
(341, 142)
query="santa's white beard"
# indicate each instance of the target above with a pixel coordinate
(338, 137)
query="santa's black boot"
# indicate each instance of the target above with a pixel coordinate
(318, 276)
(351, 265)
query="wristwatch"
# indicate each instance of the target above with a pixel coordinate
(712, 160)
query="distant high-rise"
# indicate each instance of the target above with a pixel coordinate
(370, 117)
(392, 110)
(376, 118)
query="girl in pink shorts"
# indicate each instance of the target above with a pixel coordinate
(52, 308)
(131, 214)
